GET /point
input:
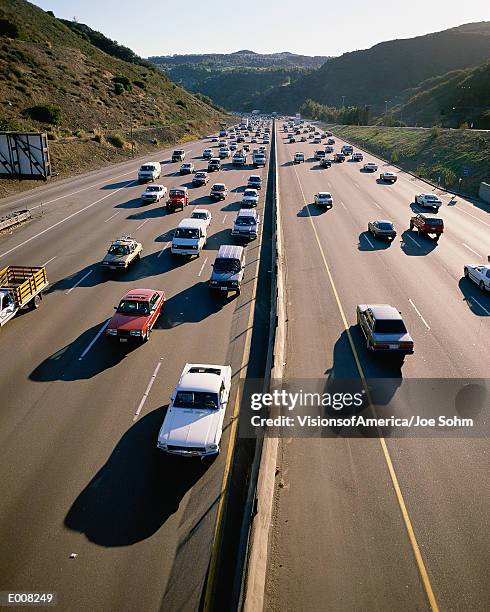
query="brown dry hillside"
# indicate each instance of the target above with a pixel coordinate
(85, 94)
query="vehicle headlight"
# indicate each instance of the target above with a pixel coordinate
(212, 447)
(162, 445)
(234, 283)
(135, 332)
(105, 263)
(112, 332)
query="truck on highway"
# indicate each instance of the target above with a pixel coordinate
(20, 287)
(258, 159)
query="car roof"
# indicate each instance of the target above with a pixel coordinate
(124, 240)
(200, 377)
(230, 251)
(139, 294)
(246, 212)
(254, 176)
(218, 185)
(384, 311)
(200, 210)
(191, 223)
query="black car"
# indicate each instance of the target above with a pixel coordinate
(382, 229)
(326, 163)
(214, 165)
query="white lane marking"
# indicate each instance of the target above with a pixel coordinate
(356, 184)
(470, 249)
(112, 217)
(148, 389)
(418, 312)
(377, 205)
(49, 261)
(470, 215)
(413, 240)
(370, 243)
(165, 247)
(78, 282)
(343, 204)
(202, 267)
(62, 221)
(480, 305)
(67, 195)
(141, 224)
(94, 340)
(224, 219)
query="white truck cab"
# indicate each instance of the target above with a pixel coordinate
(189, 237)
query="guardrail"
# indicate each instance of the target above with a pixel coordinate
(14, 218)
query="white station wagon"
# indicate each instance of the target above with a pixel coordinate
(193, 424)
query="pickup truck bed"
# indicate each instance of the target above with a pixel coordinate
(23, 282)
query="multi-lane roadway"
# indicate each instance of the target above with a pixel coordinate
(89, 508)
(368, 524)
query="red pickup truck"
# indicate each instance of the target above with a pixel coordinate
(177, 198)
(136, 315)
(427, 225)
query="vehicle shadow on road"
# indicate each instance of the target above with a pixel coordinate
(312, 210)
(149, 213)
(191, 305)
(367, 242)
(288, 163)
(416, 208)
(120, 185)
(238, 189)
(133, 203)
(476, 300)
(413, 244)
(217, 239)
(201, 200)
(65, 364)
(381, 182)
(232, 206)
(136, 491)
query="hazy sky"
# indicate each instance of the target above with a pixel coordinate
(310, 27)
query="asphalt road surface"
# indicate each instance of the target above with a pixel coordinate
(89, 508)
(344, 507)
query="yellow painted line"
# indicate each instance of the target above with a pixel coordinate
(218, 531)
(394, 479)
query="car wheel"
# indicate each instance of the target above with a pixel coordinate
(146, 337)
(466, 273)
(35, 302)
(482, 286)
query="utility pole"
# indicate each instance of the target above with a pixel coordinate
(131, 131)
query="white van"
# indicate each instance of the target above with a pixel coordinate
(149, 171)
(189, 237)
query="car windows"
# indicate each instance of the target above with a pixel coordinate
(186, 232)
(390, 326)
(223, 265)
(196, 399)
(133, 307)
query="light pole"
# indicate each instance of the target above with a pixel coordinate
(131, 131)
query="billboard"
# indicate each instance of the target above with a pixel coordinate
(24, 155)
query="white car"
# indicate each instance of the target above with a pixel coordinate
(324, 198)
(207, 154)
(299, 157)
(193, 424)
(250, 198)
(203, 214)
(479, 275)
(154, 193)
(370, 167)
(428, 200)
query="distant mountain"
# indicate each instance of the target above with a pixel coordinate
(236, 80)
(241, 59)
(461, 96)
(385, 71)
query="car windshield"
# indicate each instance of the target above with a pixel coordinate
(390, 326)
(200, 175)
(176, 193)
(147, 168)
(245, 221)
(431, 198)
(385, 226)
(198, 215)
(196, 399)
(223, 265)
(250, 193)
(153, 188)
(118, 249)
(186, 232)
(186, 165)
(434, 221)
(324, 195)
(133, 307)
(218, 187)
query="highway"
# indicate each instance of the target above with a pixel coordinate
(89, 508)
(369, 524)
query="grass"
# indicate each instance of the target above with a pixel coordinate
(430, 153)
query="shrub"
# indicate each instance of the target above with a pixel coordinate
(394, 157)
(140, 84)
(52, 136)
(464, 126)
(124, 81)
(155, 142)
(118, 89)
(435, 131)
(79, 134)
(116, 140)
(9, 124)
(181, 103)
(46, 113)
(9, 28)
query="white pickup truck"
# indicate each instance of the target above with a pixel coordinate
(20, 287)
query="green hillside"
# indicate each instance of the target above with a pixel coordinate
(385, 71)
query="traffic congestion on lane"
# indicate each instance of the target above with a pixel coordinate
(383, 273)
(95, 503)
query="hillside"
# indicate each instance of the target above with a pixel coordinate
(461, 96)
(241, 59)
(236, 80)
(45, 62)
(88, 92)
(385, 71)
(430, 153)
